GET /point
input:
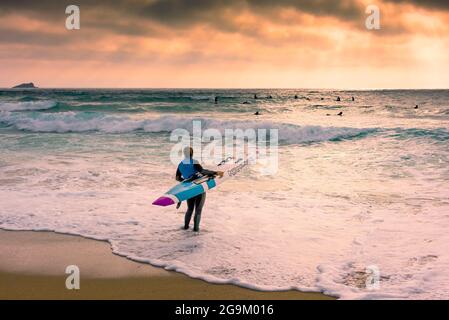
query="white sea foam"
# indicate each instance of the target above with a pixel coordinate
(27, 105)
(316, 226)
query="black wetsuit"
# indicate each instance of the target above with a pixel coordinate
(195, 203)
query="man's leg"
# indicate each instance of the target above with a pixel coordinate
(188, 216)
(199, 203)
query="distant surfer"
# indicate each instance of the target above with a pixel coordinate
(353, 99)
(257, 113)
(338, 99)
(189, 168)
(216, 99)
(255, 96)
(416, 107)
(340, 113)
(296, 96)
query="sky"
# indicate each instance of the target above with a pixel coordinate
(225, 44)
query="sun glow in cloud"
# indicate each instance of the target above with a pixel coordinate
(225, 44)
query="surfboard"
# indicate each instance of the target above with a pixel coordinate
(189, 189)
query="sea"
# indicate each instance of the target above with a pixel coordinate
(358, 207)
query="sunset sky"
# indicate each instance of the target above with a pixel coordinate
(218, 43)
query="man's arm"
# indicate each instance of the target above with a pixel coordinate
(178, 175)
(207, 172)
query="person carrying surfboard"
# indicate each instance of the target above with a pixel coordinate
(189, 169)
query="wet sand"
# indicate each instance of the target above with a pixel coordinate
(33, 264)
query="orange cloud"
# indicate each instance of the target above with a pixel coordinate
(237, 44)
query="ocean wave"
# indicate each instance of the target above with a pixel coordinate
(63, 122)
(137, 97)
(438, 134)
(27, 105)
(129, 107)
(324, 107)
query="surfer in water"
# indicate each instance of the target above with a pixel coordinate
(189, 168)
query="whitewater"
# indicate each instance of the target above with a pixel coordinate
(362, 191)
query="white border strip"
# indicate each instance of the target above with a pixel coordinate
(205, 186)
(174, 198)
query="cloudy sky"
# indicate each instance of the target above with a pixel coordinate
(219, 43)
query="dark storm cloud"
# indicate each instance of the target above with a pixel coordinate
(342, 9)
(137, 17)
(10, 35)
(434, 4)
(43, 7)
(141, 17)
(107, 15)
(181, 12)
(185, 12)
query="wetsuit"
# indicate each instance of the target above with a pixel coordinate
(188, 169)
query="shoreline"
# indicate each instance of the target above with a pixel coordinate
(33, 263)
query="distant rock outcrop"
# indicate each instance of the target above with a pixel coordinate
(26, 85)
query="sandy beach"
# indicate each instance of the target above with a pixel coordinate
(32, 266)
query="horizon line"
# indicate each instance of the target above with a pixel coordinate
(222, 88)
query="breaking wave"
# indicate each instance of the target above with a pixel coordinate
(63, 122)
(27, 105)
